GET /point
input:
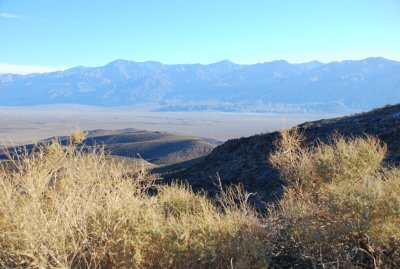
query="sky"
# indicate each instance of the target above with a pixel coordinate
(46, 35)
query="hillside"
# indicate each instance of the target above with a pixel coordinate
(155, 147)
(244, 160)
(224, 86)
(65, 207)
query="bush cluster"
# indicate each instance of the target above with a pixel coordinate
(64, 207)
(72, 207)
(341, 202)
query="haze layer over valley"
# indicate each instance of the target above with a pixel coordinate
(21, 125)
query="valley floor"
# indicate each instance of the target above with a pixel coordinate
(22, 125)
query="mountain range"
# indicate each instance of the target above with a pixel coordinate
(276, 86)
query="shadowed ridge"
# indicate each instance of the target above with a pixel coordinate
(244, 160)
(160, 148)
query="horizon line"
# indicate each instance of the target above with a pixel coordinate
(22, 69)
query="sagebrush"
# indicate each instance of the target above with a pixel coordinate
(64, 207)
(74, 207)
(341, 202)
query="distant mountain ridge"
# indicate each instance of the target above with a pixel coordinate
(276, 86)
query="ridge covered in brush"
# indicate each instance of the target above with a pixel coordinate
(276, 86)
(244, 160)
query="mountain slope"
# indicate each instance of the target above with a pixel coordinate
(156, 147)
(266, 87)
(244, 160)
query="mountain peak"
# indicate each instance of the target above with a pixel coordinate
(379, 60)
(119, 62)
(224, 63)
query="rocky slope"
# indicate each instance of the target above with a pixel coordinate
(244, 160)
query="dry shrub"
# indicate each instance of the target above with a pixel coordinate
(341, 202)
(197, 234)
(64, 207)
(77, 136)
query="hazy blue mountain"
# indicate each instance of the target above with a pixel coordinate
(266, 87)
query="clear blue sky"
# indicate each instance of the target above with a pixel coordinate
(92, 33)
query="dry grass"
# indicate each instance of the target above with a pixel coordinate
(341, 202)
(63, 208)
(67, 207)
